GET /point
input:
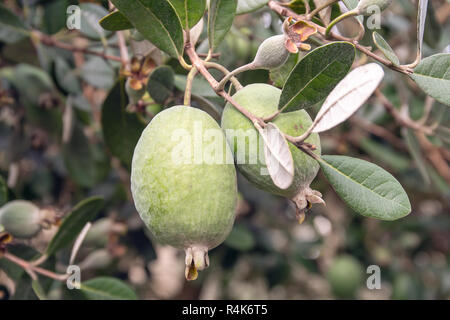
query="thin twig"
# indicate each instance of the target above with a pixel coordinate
(32, 270)
(285, 12)
(402, 119)
(225, 71)
(49, 41)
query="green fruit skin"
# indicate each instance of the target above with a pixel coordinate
(364, 6)
(345, 276)
(271, 53)
(184, 205)
(262, 101)
(21, 219)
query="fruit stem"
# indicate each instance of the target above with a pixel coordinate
(226, 72)
(344, 16)
(246, 67)
(320, 8)
(189, 82)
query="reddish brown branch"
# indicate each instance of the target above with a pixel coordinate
(285, 12)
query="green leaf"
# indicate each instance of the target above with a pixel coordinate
(91, 13)
(315, 76)
(3, 191)
(432, 75)
(107, 288)
(121, 129)
(246, 6)
(366, 188)
(115, 21)
(189, 11)
(220, 18)
(157, 21)
(385, 48)
(55, 15)
(12, 29)
(74, 222)
(79, 159)
(38, 290)
(161, 83)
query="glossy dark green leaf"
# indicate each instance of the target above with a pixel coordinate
(315, 76)
(91, 13)
(121, 129)
(189, 11)
(78, 158)
(107, 288)
(246, 6)
(220, 18)
(115, 21)
(12, 29)
(432, 75)
(161, 84)
(384, 47)
(157, 21)
(366, 188)
(84, 212)
(55, 15)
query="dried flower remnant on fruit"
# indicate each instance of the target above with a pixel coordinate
(139, 71)
(297, 34)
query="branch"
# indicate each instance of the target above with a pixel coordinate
(226, 72)
(32, 270)
(402, 119)
(199, 64)
(285, 12)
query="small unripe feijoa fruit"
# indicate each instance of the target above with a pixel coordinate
(271, 53)
(20, 218)
(345, 276)
(366, 7)
(262, 101)
(185, 199)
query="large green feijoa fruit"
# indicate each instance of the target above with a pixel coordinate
(247, 146)
(183, 183)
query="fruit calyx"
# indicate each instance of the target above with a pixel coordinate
(303, 202)
(196, 259)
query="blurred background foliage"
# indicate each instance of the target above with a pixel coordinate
(66, 135)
